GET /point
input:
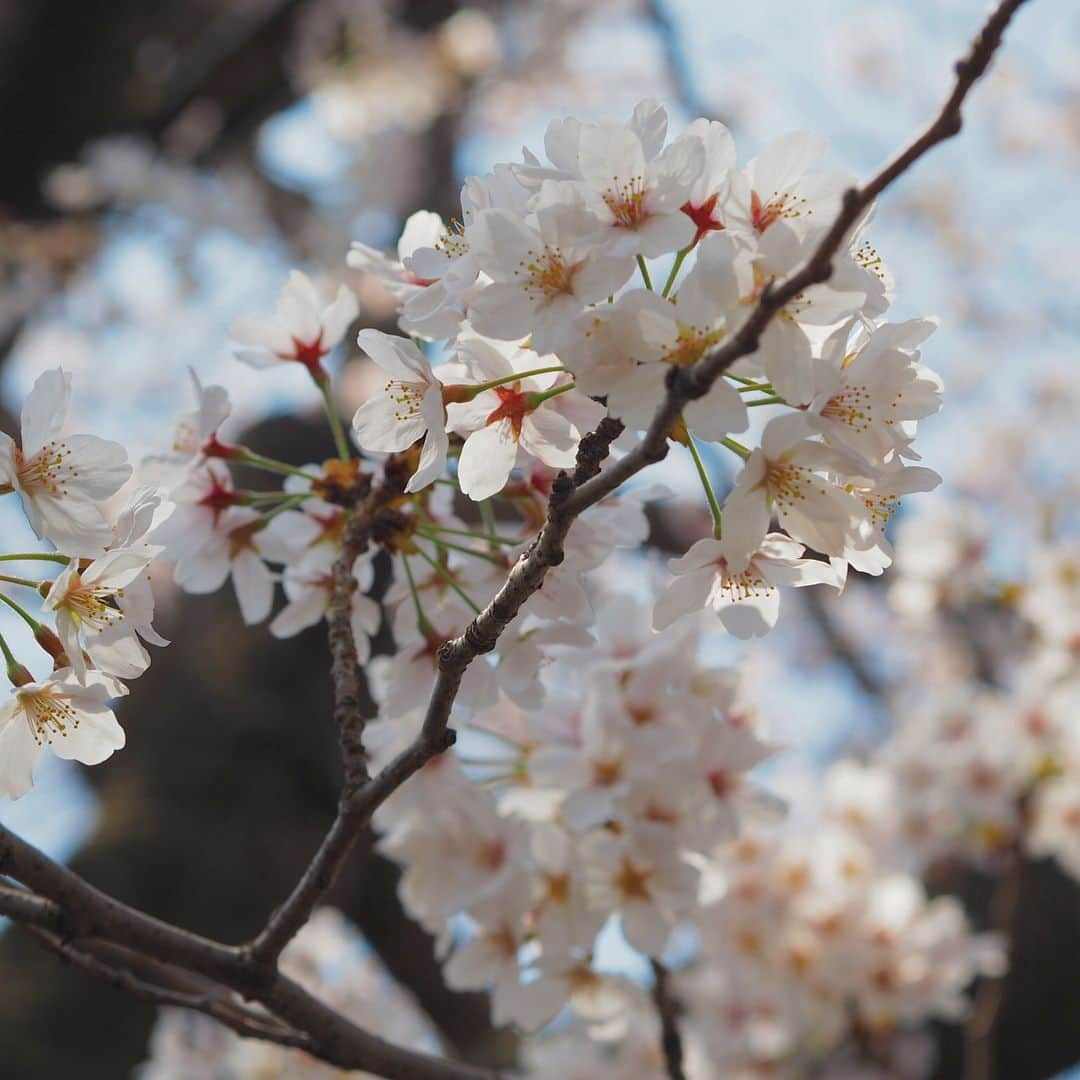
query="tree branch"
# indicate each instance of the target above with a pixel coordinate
(82, 912)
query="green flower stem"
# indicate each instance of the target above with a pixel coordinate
(9, 659)
(491, 526)
(258, 461)
(766, 401)
(45, 556)
(19, 581)
(421, 618)
(449, 579)
(643, 266)
(22, 613)
(460, 547)
(710, 495)
(340, 441)
(750, 387)
(467, 392)
(535, 400)
(675, 268)
(489, 537)
(735, 447)
(288, 504)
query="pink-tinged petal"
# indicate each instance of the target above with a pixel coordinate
(796, 573)
(423, 229)
(119, 654)
(298, 308)
(746, 521)
(702, 553)
(502, 243)
(94, 739)
(783, 432)
(784, 161)
(307, 610)
(601, 276)
(486, 460)
(561, 144)
(482, 361)
(7, 459)
(609, 151)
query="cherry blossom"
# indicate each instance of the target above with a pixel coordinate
(304, 330)
(61, 480)
(409, 408)
(540, 415)
(73, 718)
(747, 600)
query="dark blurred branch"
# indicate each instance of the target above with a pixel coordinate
(667, 1009)
(678, 63)
(979, 1035)
(841, 647)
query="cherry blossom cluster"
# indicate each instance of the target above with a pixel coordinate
(602, 775)
(531, 291)
(100, 599)
(982, 770)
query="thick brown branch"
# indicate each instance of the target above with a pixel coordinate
(243, 1021)
(350, 717)
(83, 912)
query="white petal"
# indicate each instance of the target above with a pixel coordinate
(486, 460)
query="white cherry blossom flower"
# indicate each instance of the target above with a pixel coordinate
(544, 270)
(92, 602)
(867, 397)
(61, 479)
(708, 194)
(747, 600)
(536, 415)
(642, 878)
(409, 408)
(236, 547)
(309, 585)
(775, 186)
(73, 719)
(786, 475)
(304, 330)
